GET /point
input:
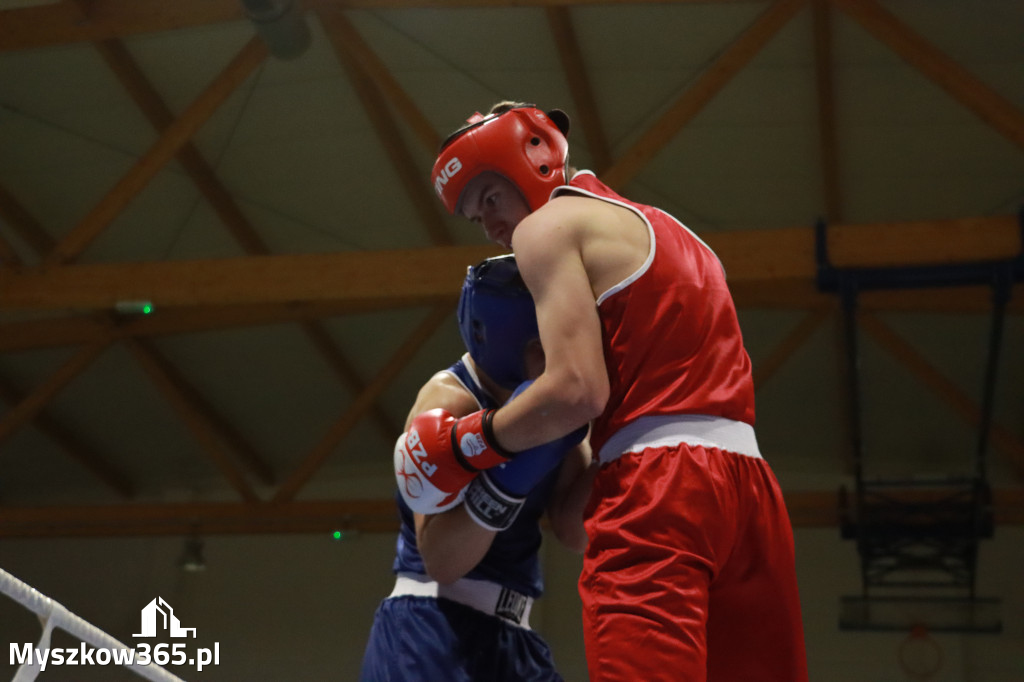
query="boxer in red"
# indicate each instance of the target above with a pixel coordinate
(689, 574)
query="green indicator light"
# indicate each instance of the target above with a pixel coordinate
(338, 535)
(133, 307)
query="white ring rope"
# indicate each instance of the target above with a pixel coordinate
(53, 615)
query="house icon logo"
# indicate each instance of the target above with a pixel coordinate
(160, 611)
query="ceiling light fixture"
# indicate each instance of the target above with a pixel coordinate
(281, 25)
(192, 559)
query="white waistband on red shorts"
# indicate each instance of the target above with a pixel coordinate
(670, 430)
(482, 595)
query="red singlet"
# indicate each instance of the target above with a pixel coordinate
(689, 574)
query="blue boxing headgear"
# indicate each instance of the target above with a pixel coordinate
(497, 319)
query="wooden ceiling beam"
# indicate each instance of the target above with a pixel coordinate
(424, 276)
(820, 509)
(807, 509)
(320, 453)
(37, 399)
(77, 330)
(1002, 438)
(8, 256)
(199, 518)
(828, 141)
(41, 242)
(221, 443)
(185, 399)
(160, 116)
(198, 416)
(766, 369)
(765, 268)
(993, 108)
(80, 330)
(167, 146)
(61, 23)
(210, 429)
(71, 445)
(376, 87)
(354, 55)
(324, 343)
(374, 69)
(138, 86)
(560, 21)
(695, 98)
(24, 223)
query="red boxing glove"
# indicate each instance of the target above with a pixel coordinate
(439, 455)
(473, 440)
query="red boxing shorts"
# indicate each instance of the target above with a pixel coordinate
(689, 573)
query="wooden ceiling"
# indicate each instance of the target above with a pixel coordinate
(359, 302)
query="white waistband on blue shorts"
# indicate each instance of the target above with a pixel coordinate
(482, 595)
(671, 430)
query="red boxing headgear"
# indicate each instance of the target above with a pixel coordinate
(523, 144)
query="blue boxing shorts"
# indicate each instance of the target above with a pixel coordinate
(429, 639)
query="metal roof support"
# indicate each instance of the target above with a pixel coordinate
(915, 537)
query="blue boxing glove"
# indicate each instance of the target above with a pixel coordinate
(493, 499)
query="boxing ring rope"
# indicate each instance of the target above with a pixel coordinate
(54, 615)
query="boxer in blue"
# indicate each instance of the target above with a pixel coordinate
(468, 571)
